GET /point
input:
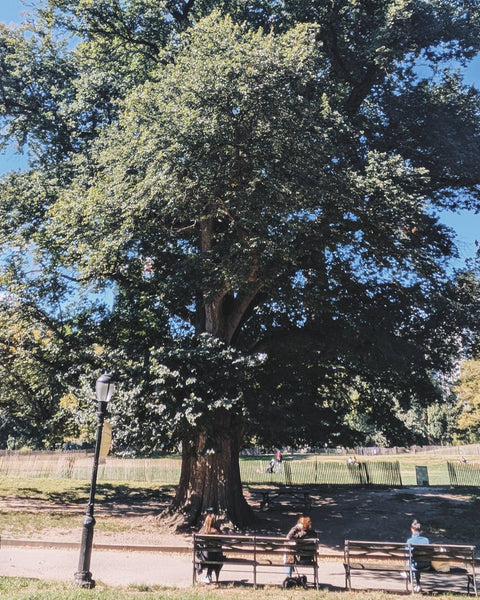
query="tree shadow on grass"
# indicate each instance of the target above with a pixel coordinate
(106, 493)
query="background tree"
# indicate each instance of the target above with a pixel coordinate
(263, 204)
(468, 399)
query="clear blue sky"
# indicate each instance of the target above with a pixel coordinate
(466, 225)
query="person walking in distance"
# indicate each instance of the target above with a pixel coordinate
(279, 458)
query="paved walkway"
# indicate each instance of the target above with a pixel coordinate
(112, 567)
(128, 567)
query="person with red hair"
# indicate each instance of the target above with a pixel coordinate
(301, 530)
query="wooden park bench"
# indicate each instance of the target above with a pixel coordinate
(254, 554)
(444, 560)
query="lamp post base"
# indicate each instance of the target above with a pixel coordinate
(84, 579)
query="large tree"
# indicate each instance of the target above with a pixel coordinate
(263, 202)
(468, 401)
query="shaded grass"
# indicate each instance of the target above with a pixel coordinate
(52, 490)
(70, 491)
(32, 589)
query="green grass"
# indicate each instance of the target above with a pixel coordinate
(142, 485)
(139, 488)
(28, 520)
(30, 589)
(25, 524)
(304, 467)
(436, 464)
(52, 490)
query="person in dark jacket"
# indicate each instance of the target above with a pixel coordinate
(300, 531)
(210, 557)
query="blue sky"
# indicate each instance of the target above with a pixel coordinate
(466, 224)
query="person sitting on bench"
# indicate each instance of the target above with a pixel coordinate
(416, 539)
(300, 531)
(210, 557)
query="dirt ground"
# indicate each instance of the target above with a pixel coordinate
(337, 514)
(383, 515)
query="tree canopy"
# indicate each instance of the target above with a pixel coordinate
(259, 186)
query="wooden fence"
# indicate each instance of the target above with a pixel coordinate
(316, 472)
(463, 474)
(78, 465)
(297, 470)
(166, 471)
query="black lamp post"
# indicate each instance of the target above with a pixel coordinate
(104, 389)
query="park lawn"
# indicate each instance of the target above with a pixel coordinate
(52, 490)
(64, 490)
(73, 491)
(31, 589)
(62, 495)
(25, 524)
(436, 464)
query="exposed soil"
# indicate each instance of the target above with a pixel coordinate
(384, 515)
(337, 514)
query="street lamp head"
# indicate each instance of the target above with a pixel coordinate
(105, 387)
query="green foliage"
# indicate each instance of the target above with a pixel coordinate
(266, 173)
(190, 380)
(468, 397)
(433, 424)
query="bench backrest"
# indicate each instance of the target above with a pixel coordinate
(400, 551)
(358, 551)
(257, 546)
(447, 553)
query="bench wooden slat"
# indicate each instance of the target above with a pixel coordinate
(377, 567)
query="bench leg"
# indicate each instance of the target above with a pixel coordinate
(471, 581)
(412, 580)
(348, 581)
(315, 576)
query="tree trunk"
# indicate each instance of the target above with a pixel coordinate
(210, 477)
